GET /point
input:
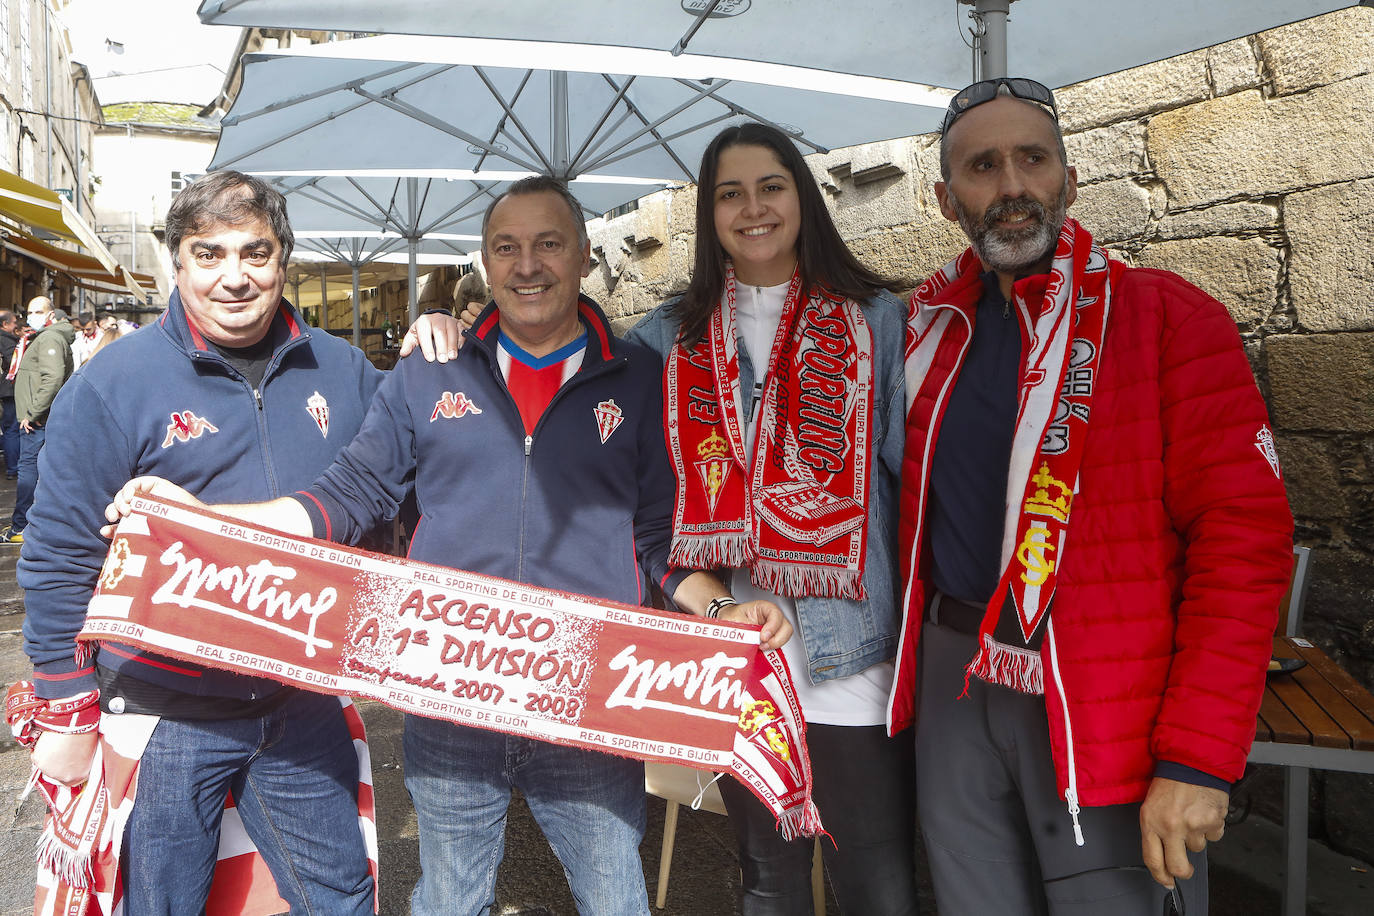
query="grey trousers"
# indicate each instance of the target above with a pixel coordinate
(998, 836)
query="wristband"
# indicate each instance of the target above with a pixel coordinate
(717, 605)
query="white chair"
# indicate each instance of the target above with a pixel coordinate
(679, 785)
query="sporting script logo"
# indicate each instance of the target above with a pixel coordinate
(663, 685)
(251, 594)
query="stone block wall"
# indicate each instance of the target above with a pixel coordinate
(1248, 168)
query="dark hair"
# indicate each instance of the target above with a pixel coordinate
(539, 184)
(822, 256)
(228, 198)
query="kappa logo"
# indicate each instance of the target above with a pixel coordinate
(609, 416)
(1264, 441)
(318, 408)
(453, 405)
(186, 425)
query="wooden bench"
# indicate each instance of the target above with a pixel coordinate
(1317, 717)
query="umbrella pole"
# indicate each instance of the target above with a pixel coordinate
(411, 281)
(559, 150)
(357, 307)
(992, 14)
(324, 298)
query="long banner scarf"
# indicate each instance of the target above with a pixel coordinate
(469, 649)
(794, 511)
(1066, 313)
(81, 843)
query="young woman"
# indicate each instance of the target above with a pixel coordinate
(785, 410)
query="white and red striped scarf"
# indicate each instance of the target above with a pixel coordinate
(1067, 317)
(78, 853)
(794, 512)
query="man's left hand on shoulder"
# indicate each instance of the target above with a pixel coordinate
(1177, 818)
(437, 335)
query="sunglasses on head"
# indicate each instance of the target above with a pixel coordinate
(987, 90)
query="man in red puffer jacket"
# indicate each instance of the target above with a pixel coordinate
(1095, 537)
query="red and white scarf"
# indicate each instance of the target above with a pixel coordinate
(794, 512)
(82, 838)
(1066, 313)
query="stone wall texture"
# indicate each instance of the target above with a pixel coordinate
(1247, 168)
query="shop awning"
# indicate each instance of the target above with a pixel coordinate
(84, 270)
(34, 205)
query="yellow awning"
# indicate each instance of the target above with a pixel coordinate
(82, 268)
(34, 205)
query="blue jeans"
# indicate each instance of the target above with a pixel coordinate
(589, 805)
(30, 444)
(294, 776)
(9, 435)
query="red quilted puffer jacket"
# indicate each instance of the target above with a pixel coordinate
(1178, 551)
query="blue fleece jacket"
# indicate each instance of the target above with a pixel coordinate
(581, 505)
(161, 401)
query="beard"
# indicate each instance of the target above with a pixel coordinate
(1013, 250)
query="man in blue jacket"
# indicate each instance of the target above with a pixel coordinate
(538, 455)
(231, 395)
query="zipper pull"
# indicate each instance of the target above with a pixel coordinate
(529, 445)
(1006, 308)
(1071, 797)
(257, 396)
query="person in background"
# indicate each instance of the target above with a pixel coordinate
(9, 419)
(472, 292)
(45, 364)
(784, 410)
(87, 334)
(1096, 539)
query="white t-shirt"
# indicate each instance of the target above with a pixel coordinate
(860, 699)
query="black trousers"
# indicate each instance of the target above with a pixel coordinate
(864, 789)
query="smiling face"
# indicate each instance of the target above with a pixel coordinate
(1008, 187)
(757, 214)
(535, 263)
(230, 279)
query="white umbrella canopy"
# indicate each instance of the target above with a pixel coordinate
(468, 108)
(1055, 41)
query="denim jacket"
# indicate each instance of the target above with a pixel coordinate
(843, 636)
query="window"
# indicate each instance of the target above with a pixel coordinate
(6, 145)
(26, 54)
(5, 41)
(177, 183)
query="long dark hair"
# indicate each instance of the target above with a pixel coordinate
(823, 257)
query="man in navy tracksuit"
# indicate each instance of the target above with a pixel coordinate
(538, 456)
(231, 395)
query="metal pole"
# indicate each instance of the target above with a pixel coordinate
(412, 281)
(993, 13)
(324, 297)
(559, 153)
(412, 243)
(357, 309)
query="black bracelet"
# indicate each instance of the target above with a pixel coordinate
(717, 605)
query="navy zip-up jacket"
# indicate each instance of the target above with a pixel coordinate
(582, 505)
(162, 401)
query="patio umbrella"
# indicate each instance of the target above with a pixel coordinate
(1056, 41)
(481, 109)
(414, 137)
(370, 258)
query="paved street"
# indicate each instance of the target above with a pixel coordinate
(1245, 874)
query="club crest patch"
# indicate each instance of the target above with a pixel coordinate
(609, 416)
(186, 425)
(1264, 441)
(318, 408)
(714, 468)
(453, 405)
